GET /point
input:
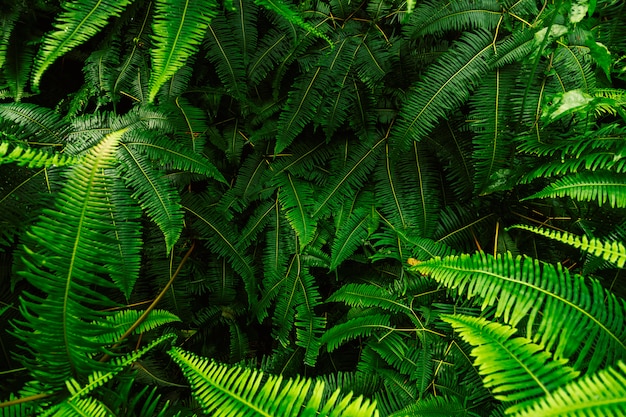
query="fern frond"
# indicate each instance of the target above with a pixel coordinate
(19, 61)
(121, 321)
(288, 12)
(350, 235)
(613, 251)
(601, 394)
(179, 27)
(33, 158)
(79, 21)
(448, 406)
(38, 123)
(445, 86)
(600, 186)
(519, 288)
(236, 392)
(64, 258)
(363, 326)
(517, 369)
(369, 295)
(8, 18)
(296, 199)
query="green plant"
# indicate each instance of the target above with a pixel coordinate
(338, 195)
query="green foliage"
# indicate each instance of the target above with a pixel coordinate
(338, 207)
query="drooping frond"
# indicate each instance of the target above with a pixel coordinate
(8, 18)
(517, 369)
(355, 328)
(296, 199)
(350, 235)
(236, 392)
(610, 250)
(600, 186)
(33, 158)
(79, 21)
(288, 12)
(519, 288)
(600, 394)
(64, 259)
(119, 322)
(444, 87)
(179, 27)
(39, 124)
(19, 61)
(369, 295)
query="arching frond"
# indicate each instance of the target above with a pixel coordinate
(355, 328)
(442, 406)
(179, 27)
(296, 199)
(38, 123)
(610, 250)
(600, 186)
(602, 394)
(237, 392)
(517, 369)
(350, 235)
(519, 288)
(80, 21)
(33, 158)
(369, 295)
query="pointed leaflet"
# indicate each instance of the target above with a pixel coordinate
(156, 195)
(179, 27)
(445, 87)
(80, 20)
(296, 199)
(65, 256)
(517, 369)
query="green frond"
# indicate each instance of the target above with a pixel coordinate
(273, 46)
(39, 124)
(232, 391)
(445, 86)
(81, 407)
(79, 21)
(600, 394)
(296, 199)
(64, 257)
(610, 250)
(600, 186)
(363, 326)
(515, 368)
(8, 19)
(155, 194)
(370, 295)
(441, 406)
(439, 17)
(19, 61)
(609, 160)
(350, 235)
(119, 322)
(33, 158)
(224, 51)
(519, 288)
(179, 27)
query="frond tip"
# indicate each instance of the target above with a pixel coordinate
(222, 390)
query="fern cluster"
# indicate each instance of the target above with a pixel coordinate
(339, 208)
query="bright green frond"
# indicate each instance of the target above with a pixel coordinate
(612, 251)
(179, 27)
(119, 322)
(590, 328)
(79, 21)
(237, 392)
(600, 186)
(600, 394)
(288, 12)
(442, 406)
(516, 369)
(363, 326)
(33, 158)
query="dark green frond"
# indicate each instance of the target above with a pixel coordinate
(517, 369)
(520, 287)
(8, 18)
(369, 295)
(350, 235)
(296, 199)
(355, 328)
(179, 27)
(444, 87)
(39, 124)
(79, 21)
(600, 394)
(443, 406)
(288, 12)
(19, 61)
(600, 186)
(237, 392)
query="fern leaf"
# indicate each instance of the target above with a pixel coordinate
(357, 327)
(8, 18)
(296, 198)
(288, 12)
(442, 406)
(349, 236)
(600, 394)
(521, 287)
(612, 251)
(66, 268)
(444, 87)
(517, 369)
(599, 186)
(369, 295)
(121, 321)
(38, 123)
(229, 391)
(80, 21)
(19, 60)
(156, 196)
(179, 27)
(33, 158)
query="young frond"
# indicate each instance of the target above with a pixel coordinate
(610, 250)
(179, 27)
(79, 21)
(600, 186)
(590, 328)
(517, 369)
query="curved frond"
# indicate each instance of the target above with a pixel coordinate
(369, 295)
(33, 158)
(350, 235)
(296, 199)
(517, 369)
(600, 394)
(442, 406)
(79, 21)
(613, 251)
(600, 186)
(363, 326)
(38, 123)
(179, 27)
(590, 326)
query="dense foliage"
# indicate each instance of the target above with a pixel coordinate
(334, 207)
